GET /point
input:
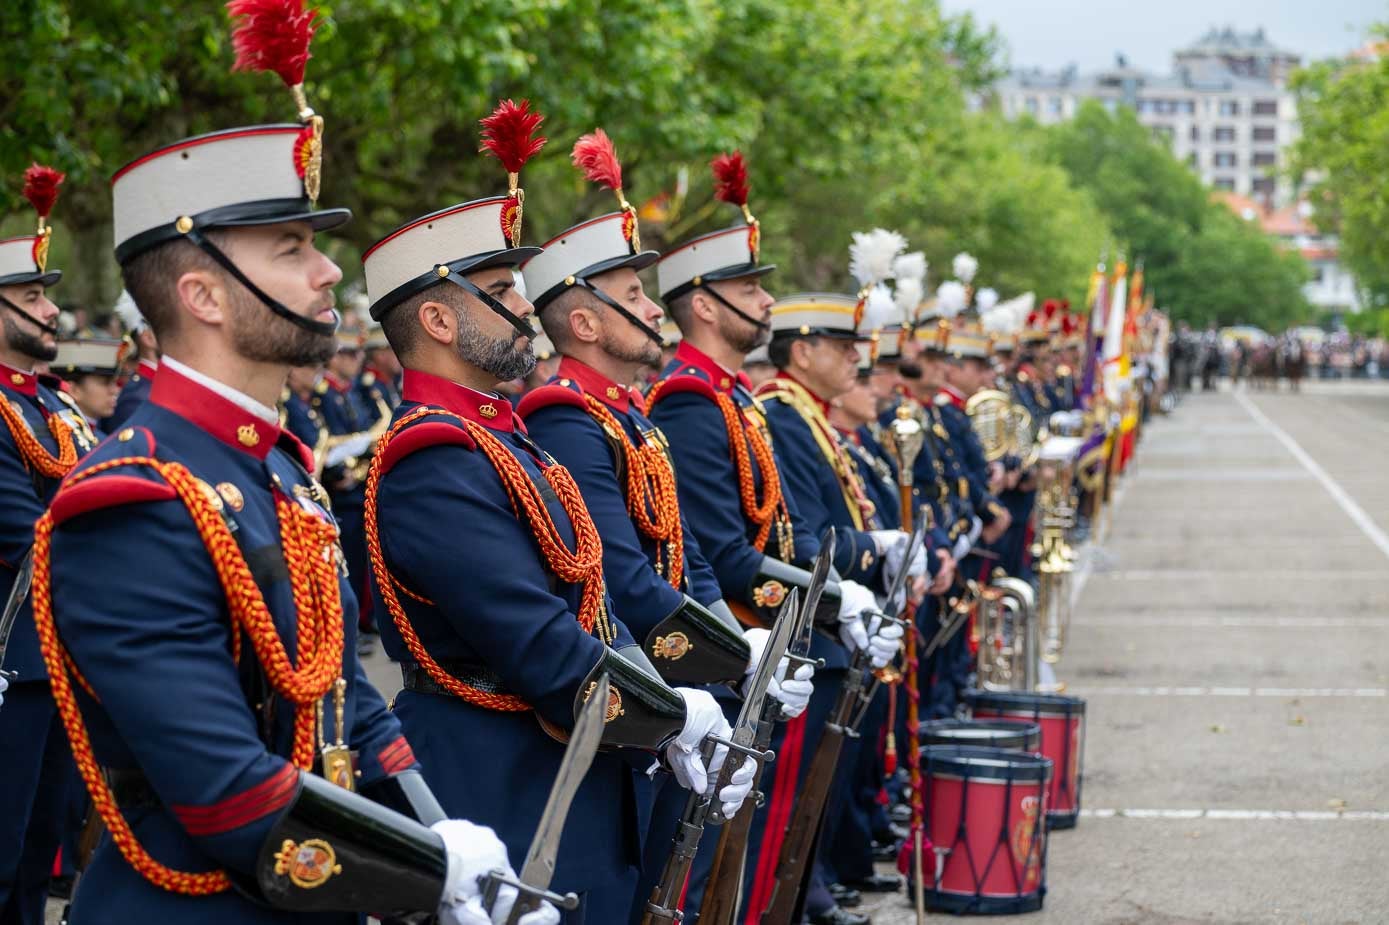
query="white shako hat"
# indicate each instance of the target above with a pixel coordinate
(818, 314)
(97, 356)
(445, 245)
(258, 175)
(24, 259)
(729, 254)
(597, 246)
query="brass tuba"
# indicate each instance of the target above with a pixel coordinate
(991, 417)
(1008, 645)
(1053, 519)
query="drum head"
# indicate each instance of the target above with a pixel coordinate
(993, 733)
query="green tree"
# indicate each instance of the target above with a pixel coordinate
(1199, 259)
(1343, 107)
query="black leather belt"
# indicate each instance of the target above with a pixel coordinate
(415, 678)
(132, 789)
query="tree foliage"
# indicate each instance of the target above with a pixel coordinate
(1202, 262)
(1344, 110)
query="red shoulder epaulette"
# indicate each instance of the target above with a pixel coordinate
(553, 394)
(681, 383)
(112, 489)
(433, 430)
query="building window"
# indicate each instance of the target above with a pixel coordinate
(1195, 133)
(1229, 107)
(1265, 133)
(1054, 105)
(1224, 159)
(1224, 133)
(1265, 107)
(1262, 186)
(1186, 107)
(1265, 158)
(1031, 104)
(1224, 183)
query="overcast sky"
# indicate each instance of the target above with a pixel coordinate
(1053, 33)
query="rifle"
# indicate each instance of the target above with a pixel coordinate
(725, 886)
(664, 904)
(793, 865)
(86, 847)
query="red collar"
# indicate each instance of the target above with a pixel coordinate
(491, 411)
(618, 397)
(380, 376)
(341, 385)
(21, 382)
(719, 377)
(955, 396)
(145, 369)
(205, 409)
(823, 405)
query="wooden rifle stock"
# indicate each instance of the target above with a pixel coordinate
(793, 866)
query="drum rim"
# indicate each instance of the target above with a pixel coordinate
(1026, 733)
(998, 764)
(1054, 704)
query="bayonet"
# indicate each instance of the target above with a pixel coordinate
(533, 885)
(19, 593)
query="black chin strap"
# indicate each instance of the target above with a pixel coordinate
(520, 324)
(325, 328)
(46, 328)
(612, 303)
(760, 325)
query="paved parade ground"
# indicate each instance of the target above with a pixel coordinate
(1230, 638)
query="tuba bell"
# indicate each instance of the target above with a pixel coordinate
(991, 417)
(1053, 519)
(1008, 648)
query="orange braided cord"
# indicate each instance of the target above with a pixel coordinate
(584, 565)
(651, 498)
(33, 452)
(914, 725)
(309, 545)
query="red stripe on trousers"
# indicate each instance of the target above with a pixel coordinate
(778, 815)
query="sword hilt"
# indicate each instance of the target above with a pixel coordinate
(802, 660)
(8, 675)
(763, 755)
(493, 881)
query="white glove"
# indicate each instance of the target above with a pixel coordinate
(854, 599)
(884, 639)
(793, 693)
(4, 686)
(731, 797)
(703, 717)
(965, 543)
(894, 550)
(473, 852)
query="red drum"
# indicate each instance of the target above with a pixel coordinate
(985, 811)
(1063, 740)
(992, 733)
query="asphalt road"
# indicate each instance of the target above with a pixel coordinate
(1230, 640)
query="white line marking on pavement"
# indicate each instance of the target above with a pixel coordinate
(1245, 574)
(1136, 620)
(1354, 511)
(1298, 815)
(1137, 691)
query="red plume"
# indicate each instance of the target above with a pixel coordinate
(272, 35)
(41, 187)
(506, 134)
(730, 178)
(595, 155)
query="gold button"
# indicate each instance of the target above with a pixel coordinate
(126, 434)
(247, 435)
(442, 271)
(183, 225)
(569, 281)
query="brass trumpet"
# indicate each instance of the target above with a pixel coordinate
(353, 451)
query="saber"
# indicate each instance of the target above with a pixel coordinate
(533, 885)
(19, 593)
